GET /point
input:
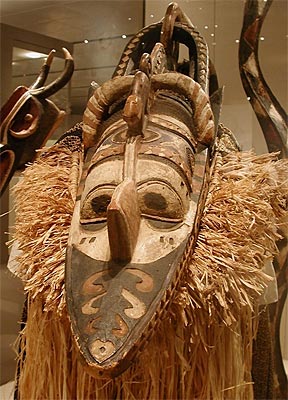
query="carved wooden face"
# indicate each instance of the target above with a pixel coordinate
(161, 192)
(129, 230)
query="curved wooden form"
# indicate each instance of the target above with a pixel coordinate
(28, 119)
(273, 121)
(270, 114)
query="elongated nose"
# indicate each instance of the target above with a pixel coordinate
(123, 220)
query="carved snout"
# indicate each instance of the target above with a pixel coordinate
(123, 220)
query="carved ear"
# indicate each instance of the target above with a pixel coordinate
(7, 159)
(27, 119)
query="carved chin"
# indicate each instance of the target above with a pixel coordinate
(111, 304)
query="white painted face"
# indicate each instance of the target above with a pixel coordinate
(163, 196)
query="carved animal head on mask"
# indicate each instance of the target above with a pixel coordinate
(29, 118)
(148, 133)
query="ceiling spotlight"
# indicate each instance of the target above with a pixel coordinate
(212, 34)
(262, 38)
(248, 98)
(206, 27)
(86, 41)
(151, 15)
(237, 40)
(34, 54)
(216, 26)
(129, 19)
(124, 36)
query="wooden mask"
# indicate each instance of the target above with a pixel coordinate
(147, 137)
(28, 119)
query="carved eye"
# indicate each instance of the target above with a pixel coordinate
(158, 200)
(94, 206)
(100, 203)
(26, 120)
(155, 201)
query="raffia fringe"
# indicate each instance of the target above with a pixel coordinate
(214, 366)
(203, 348)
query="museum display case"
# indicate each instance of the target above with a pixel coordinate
(96, 34)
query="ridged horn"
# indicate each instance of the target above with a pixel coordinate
(202, 112)
(53, 87)
(99, 103)
(43, 72)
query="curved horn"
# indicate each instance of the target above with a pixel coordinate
(202, 112)
(115, 88)
(270, 114)
(102, 98)
(173, 14)
(43, 72)
(61, 81)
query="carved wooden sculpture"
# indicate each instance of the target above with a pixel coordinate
(273, 121)
(143, 260)
(140, 200)
(28, 119)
